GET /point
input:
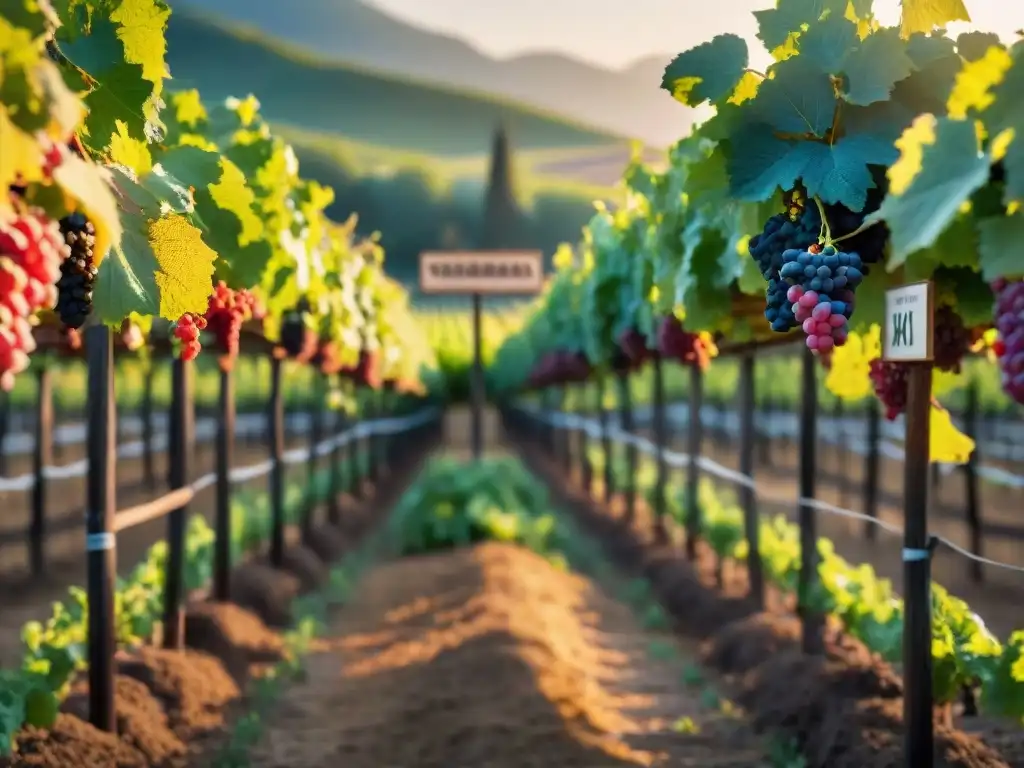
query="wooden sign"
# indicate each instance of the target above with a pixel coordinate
(475, 272)
(909, 314)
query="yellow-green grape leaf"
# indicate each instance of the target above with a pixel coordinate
(141, 27)
(939, 168)
(848, 377)
(161, 267)
(926, 15)
(972, 90)
(948, 444)
(709, 72)
(130, 152)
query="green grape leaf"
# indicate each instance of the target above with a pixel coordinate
(41, 707)
(708, 72)
(875, 66)
(974, 45)
(775, 25)
(161, 267)
(798, 100)
(925, 15)
(1006, 113)
(1000, 239)
(926, 49)
(827, 43)
(120, 90)
(939, 169)
(196, 167)
(973, 295)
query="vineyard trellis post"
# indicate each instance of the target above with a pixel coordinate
(607, 477)
(695, 438)
(276, 423)
(101, 541)
(751, 522)
(183, 416)
(871, 466)
(661, 437)
(338, 424)
(42, 457)
(316, 414)
(148, 473)
(562, 434)
(477, 394)
(839, 449)
(907, 308)
(225, 460)
(586, 466)
(811, 622)
(628, 425)
(972, 504)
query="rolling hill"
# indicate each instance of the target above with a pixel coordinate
(356, 32)
(358, 103)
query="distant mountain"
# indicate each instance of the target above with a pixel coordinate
(625, 102)
(352, 101)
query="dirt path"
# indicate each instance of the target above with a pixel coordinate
(492, 657)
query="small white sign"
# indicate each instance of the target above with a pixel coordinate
(495, 272)
(908, 323)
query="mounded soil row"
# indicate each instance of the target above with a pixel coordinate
(175, 707)
(491, 657)
(844, 708)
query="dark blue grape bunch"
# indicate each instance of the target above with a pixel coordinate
(781, 233)
(821, 283)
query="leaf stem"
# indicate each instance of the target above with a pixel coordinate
(762, 75)
(862, 228)
(825, 235)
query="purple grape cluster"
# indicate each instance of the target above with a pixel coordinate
(1009, 311)
(821, 283)
(782, 233)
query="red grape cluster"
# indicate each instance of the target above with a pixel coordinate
(228, 310)
(952, 339)
(891, 384)
(676, 342)
(1009, 348)
(31, 252)
(186, 332)
(633, 346)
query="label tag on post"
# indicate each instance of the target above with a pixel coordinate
(908, 334)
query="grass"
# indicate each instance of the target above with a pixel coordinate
(367, 106)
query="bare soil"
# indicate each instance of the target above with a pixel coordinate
(844, 708)
(491, 657)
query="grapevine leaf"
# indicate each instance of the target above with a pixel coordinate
(1005, 115)
(973, 295)
(20, 155)
(885, 120)
(875, 66)
(776, 25)
(760, 163)
(926, 49)
(925, 15)
(708, 72)
(827, 43)
(799, 99)
(839, 173)
(999, 246)
(120, 91)
(141, 29)
(130, 152)
(947, 444)
(972, 89)
(197, 167)
(160, 268)
(41, 707)
(939, 168)
(974, 45)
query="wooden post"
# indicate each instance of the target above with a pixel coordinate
(811, 622)
(225, 460)
(478, 394)
(628, 426)
(972, 501)
(607, 475)
(333, 499)
(661, 426)
(148, 472)
(42, 457)
(100, 540)
(871, 457)
(183, 414)
(276, 424)
(751, 521)
(694, 447)
(316, 431)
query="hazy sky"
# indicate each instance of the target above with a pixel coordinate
(617, 32)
